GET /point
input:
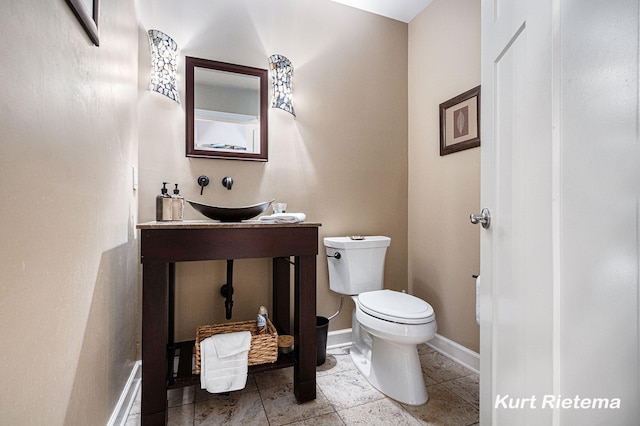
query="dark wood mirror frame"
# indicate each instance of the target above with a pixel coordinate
(191, 151)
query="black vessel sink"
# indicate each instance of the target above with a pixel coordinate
(230, 214)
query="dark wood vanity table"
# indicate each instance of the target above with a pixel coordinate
(165, 243)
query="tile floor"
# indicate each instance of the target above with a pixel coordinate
(343, 397)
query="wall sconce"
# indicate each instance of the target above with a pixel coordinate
(164, 65)
(281, 72)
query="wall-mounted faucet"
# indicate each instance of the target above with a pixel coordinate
(227, 182)
(203, 181)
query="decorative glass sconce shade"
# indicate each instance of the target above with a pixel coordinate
(164, 65)
(281, 72)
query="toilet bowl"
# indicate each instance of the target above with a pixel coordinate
(387, 325)
(385, 351)
(396, 316)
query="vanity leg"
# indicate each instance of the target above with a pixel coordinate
(155, 289)
(171, 349)
(281, 295)
(304, 372)
(171, 305)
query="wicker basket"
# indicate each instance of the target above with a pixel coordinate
(264, 347)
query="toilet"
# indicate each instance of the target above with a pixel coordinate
(387, 325)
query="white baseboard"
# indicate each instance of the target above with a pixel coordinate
(127, 398)
(456, 352)
(449, 348)
(339, 338)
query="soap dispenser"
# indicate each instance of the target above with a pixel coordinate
(177, 205)
(163, 204)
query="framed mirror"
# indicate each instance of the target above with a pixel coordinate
(226, 110)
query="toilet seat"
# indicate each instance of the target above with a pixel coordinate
(396, 307)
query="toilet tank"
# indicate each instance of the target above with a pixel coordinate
(356, 265)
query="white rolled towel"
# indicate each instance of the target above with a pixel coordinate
(224, 361)
(284, 218)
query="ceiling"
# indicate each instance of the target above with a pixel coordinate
(400, 10)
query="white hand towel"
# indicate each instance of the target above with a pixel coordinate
(223, 361)
(228, 344)
(284, 218)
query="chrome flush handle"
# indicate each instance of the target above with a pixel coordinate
(484, 218)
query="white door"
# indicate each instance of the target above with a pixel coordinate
(560, 294)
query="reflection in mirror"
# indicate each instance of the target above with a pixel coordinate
(226, 108)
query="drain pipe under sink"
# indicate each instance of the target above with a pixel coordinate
(227, 289)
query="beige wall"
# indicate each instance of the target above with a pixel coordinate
(72, 114)
(342, 161)
(444, 248)
(69, 285)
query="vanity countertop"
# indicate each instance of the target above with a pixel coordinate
(204, 224)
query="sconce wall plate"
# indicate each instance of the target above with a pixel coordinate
(164, 65)
(281, 72)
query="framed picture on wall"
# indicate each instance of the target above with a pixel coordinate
(87, 13)
(460, 122)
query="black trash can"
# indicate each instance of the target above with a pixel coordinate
(322, 328)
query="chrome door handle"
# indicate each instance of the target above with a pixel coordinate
(484, 218)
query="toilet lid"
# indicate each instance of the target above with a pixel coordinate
(395, 306)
